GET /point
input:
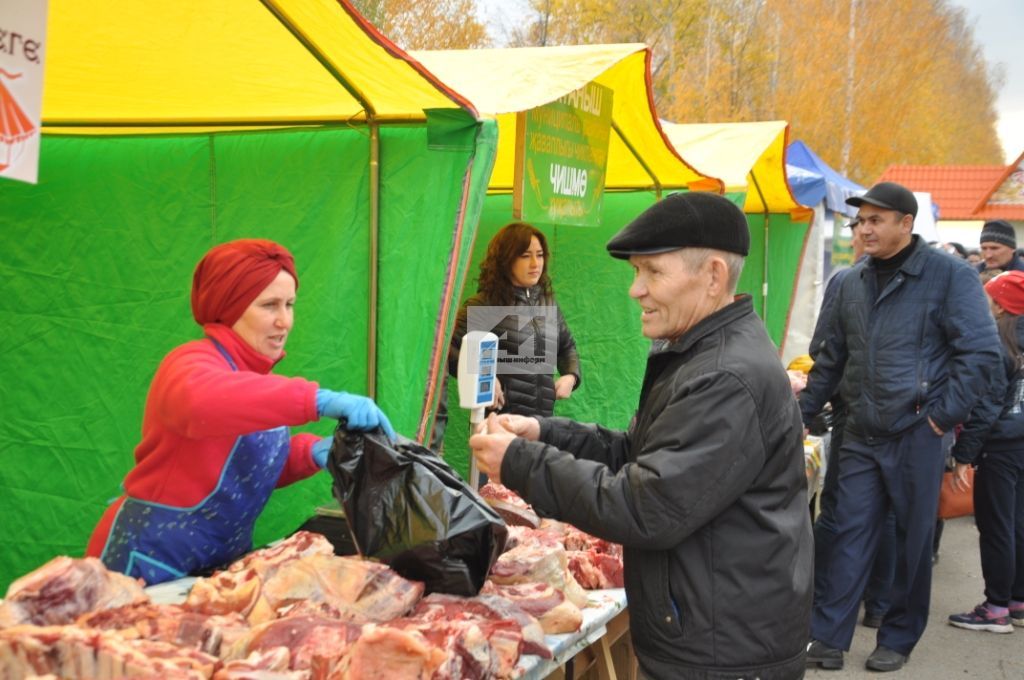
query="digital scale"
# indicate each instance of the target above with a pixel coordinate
(478, 363)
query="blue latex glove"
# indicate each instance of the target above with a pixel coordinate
(360, 412)
(320, 452)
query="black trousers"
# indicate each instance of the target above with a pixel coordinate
(999, 515)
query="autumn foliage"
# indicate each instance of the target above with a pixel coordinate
(865, 83)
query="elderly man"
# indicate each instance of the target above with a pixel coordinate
(910, 353)
(706, 491)
(999, 247)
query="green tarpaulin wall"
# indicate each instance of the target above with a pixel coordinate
(96, 273)
(592, 290)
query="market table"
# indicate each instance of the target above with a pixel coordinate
(605, 621)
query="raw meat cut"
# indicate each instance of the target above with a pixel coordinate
(170, 623)
(314, 642)
(555, 613)
(513, 509)
(596, 570)
(269, 665)
(65, 588)
(528, 563)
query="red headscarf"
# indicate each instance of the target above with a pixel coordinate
(230, 276)
(1007, 289)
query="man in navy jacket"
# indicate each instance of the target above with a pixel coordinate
(909, 348)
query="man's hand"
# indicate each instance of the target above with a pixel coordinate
(960, 482)
(935, 428)
(564, 386)
(521, 426)
(489, 448)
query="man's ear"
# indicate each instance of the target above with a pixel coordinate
(907, 223)
(719, 275)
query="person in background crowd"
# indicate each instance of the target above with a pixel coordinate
(999, 247)
(993, 439)
(910, 354)
(974, 257)
(215, 439)
(955, 249)
(876, 593)
(514, 273)
(707, 490)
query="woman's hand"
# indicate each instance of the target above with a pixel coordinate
(360, 412)
(564, 386)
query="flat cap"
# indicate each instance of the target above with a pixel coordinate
(888, 195)
(686, 220)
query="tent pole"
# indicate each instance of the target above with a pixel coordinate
(371, 353)
(639, 158)
(764, 283)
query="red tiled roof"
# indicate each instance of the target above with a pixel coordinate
(957, 189)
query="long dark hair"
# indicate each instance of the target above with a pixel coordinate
(508, 244)
(1007, 325)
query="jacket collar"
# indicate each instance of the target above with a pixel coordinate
(738, 308)
(529, 294)
(244, 356)
(914, 264)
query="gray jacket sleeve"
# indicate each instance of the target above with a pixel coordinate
(694, 462)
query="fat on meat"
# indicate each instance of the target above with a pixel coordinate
(549, 606)
(533, 563)
(170, 623)
(65, 588)
(315, 642)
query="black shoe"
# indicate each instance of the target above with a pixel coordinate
(872, 620)
(820, 654)
(885, 660)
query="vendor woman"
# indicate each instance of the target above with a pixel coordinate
(215, 438)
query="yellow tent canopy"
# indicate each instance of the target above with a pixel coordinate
(748, 157)
(178, 63)
(502, 82)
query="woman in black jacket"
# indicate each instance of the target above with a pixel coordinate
(993, 439)
(514, 273)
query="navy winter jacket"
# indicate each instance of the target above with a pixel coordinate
(923, 348)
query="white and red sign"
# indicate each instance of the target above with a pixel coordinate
(22, 42)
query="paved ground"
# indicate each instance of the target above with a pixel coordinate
(946, 652)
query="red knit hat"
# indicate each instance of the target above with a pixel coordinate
(1007, 290)
(230, 276)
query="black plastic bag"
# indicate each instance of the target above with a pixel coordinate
(406, 507)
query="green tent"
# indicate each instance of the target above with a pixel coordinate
(197, 123)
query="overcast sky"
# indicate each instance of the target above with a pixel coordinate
(998, 28)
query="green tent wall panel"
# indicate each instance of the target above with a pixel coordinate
(96, 276)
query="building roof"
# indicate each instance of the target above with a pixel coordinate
(960, 191)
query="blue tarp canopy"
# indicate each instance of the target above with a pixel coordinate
(837, 187)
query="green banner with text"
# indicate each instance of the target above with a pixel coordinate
(561, 156)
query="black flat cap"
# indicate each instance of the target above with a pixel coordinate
(687, 220)
(888, 195)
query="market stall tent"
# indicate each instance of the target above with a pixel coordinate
(590, 286)
(750, 159)
(196, 123)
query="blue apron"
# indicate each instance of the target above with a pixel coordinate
(160, 543)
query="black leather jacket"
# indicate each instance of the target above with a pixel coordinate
(707, 492)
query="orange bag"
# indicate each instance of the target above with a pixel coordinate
(953, 503)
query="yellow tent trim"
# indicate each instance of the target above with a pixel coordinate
(174, 63)
(749, 157)
(503, 82)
